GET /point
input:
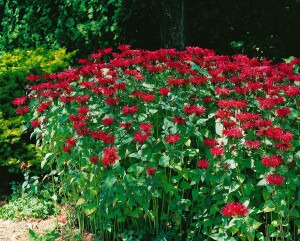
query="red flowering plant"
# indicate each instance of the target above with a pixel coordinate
(179, 144)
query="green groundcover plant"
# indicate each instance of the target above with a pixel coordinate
(173, 145)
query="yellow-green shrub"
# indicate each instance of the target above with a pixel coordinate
(15, 66)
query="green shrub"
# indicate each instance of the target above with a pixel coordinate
(15, 66)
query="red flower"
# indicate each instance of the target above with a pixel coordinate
(207, 99)
(172, 138)
(111, 101)
(129, 110)
(24, 110)
(210, 142)
(82, 110)
(179, 120)
(204, 164)
(81, 99)
(164, 91)
(107, 121)
(70, 142)
(19, 101)
(226, 104)
(126, 125)
(110, 156)
(275, 179)
(141, 137)
(283, 112)
(198, 79)
(217, 151)
(150, 171)
(94, 159)
(147, 97)
(177, 81)
(272, 161)
(193, 109)
(146, 127)
(35, 123)
(233, 133)
(252, 144)
(222, 91)
(234, 209)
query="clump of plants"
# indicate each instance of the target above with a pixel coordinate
(173, 145)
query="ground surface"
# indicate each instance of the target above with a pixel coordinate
(18, 230)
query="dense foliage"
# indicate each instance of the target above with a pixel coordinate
(83, 25)
(15, 66)
(169, 145)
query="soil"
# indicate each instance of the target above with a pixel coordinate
(18, 230)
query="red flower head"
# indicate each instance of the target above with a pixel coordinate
(252, 144)
(82, 110)
(35, 123)
(111, 101)
(19, 101)
(94, 159)
(207, 99)
(129, 110)
(150, 171)
(125, 125)
(24, 110)
(147, 97)
(172, 138)
(217, 151)
(193, 109)
(272, 161)
(204, 164)
(234, 209)
(275, 179)
(233, 133)
(110, 156)
(210, 142)
(283, 112)
(179, 120)
(164, 91)
(107, 121)
(146, 127)
(141, 137)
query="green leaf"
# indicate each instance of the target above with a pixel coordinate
(90, 208)
(109, 181)
(80, 201)
(164, 161)
(269, 206)
(136, 168)
(185, 185)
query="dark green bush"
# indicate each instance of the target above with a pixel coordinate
(15, 66)
(76, 24)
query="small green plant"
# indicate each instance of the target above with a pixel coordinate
(32, 199)
(26, 207)
(49, 236)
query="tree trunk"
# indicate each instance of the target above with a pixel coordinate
(171, 18)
